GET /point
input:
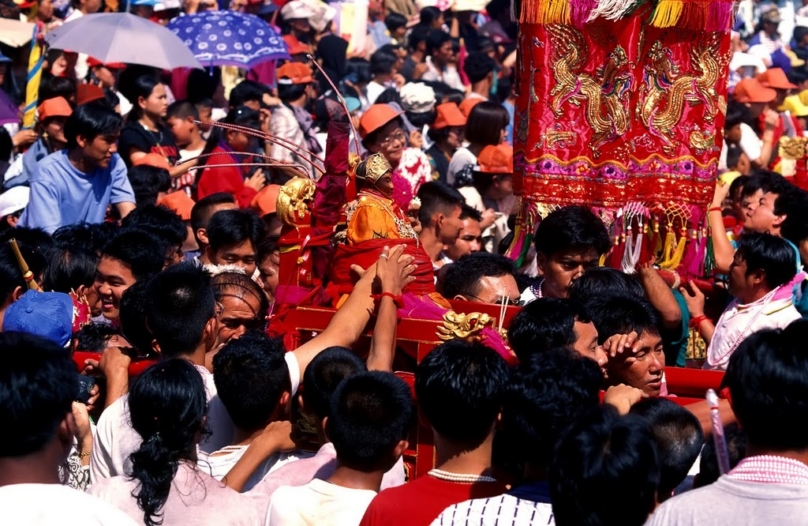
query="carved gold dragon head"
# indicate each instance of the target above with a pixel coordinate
(293, 201)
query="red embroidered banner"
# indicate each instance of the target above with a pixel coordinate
(619, 111)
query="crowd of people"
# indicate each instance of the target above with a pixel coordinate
(147, 233)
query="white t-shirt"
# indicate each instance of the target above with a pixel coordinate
(318, 503)
(190, 154)
(219, 463)
(374, 90)
(750, 144)
(460, 159)
(47, 504)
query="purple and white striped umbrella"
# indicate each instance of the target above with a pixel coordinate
(228, 38)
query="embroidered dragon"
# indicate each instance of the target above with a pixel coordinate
(666, 89)
(606, 94)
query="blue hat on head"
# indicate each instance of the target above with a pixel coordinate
(45, 314)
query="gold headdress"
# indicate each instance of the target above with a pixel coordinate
(373, 168)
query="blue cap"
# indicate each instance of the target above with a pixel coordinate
(267, 9)
(45, 314)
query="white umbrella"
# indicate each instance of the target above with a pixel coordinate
(123, 37)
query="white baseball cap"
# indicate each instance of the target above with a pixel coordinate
(14, 200)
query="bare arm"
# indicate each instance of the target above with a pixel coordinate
(701, 410)
(125, 208)
(392, 275)
(660, 296)
(721, 245)
(695, 304)
(275, 438)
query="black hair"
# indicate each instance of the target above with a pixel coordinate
(599, 283)
(201, 212)
(202, 85)
(622, 315)
(546, 394)
(436, 197)
(141, 85)
(734, 153)
(157, 221)
(485, 123)
(795, 226)
(238, 115)
(436, 39)
(599, 461)
(737, 184)
(246, 91)
(35, 245)
(370, 413)
(239, 285)
(571, 227)
(417, 35)
(709, 471)
(424, 118)
(268, 246)
(69, 268)
(464, 275)
(771, 254)
(469, 212)
(544, 324)
(322, 376)
(181, 303)
(456, 96)
(93, 337)
(737, 113)
(85, 236)
(389, 95)
(291, 92)
(138, 251)
(233, 227)
(394, 21)
(52, 87)
(37, 388)
(382, 62)
(800, 33)
(251, 375)
(767, 182)
(167, 407)
(132, 313)
(147, 181)
(428, 15)
(182, 109)
(478, 65)
(459, 387)
(772, 362)
(359, 69)
(89, 121)
(678, 436)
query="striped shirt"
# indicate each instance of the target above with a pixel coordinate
(529, 504)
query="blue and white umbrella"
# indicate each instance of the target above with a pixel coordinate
(228, 38)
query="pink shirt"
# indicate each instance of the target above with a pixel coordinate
(195, 498)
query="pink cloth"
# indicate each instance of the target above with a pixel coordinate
(195, 498)
(770, 469)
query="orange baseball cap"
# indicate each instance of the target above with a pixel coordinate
(294, 73)
(153, 159)
(88, 93)
(467, 105)
(496, 159)
(775, 78)
(752, 91)
(449, 115)
(179, 203)
(377, 116)
(266, 201)
(295, 46)
(93, 62)
(56, 107)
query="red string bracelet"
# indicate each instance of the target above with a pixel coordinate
(396, 299)
(715, 209)
(697, 321)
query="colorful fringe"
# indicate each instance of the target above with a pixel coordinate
(702, 15)
(524, 231)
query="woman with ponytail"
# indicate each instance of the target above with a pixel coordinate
(168, 407)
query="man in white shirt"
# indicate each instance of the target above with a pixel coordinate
(37, 387)
(441, 60)
(368, 425)
(759, 279)
(767, 379)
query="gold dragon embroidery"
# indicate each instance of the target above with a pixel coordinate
(605, 93)
(666, 89)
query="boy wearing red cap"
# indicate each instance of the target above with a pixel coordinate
(290, 120)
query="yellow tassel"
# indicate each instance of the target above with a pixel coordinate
(674, 256)
(667, 13)
(667, 250)
(532, 11)
(556, 12)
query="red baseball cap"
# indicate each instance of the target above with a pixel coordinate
(87, 93)
(294, 73)
(496, 159)
(449, 115)
(179, 203)
(266, 201)
(467, 105)
(752, 91)
(153, 159)
(56, 107)
(92, 62)
(377, 116)
(295, 46)
(775, 78)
